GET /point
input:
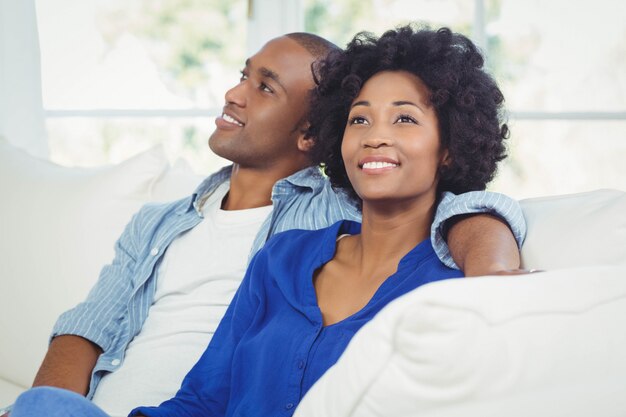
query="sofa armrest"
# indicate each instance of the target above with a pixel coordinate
(543, 345)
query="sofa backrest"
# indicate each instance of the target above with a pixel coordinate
(575, 230)
(58, 226)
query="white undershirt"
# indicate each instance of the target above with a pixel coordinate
(197, 279)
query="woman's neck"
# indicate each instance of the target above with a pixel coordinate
(389, 232)
(363, 262)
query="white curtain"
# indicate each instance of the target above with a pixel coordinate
(21, 108)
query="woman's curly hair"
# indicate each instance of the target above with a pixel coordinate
(466, 99)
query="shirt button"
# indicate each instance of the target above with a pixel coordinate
(289, 406)
(300, 364)
(115, 362)
(154, 251)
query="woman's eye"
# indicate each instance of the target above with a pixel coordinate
(266, 88)
(406, 119)
(357, 120)
(243, 76)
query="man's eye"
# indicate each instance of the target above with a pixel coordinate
(266, 88)
(405, 118)
(357, 120)
(243, 76)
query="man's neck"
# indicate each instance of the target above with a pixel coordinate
(251, 188)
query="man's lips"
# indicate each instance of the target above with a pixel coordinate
(228, 121)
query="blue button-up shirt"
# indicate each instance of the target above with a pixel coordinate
(117, 306)
(271, 346)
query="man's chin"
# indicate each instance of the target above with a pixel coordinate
(216, 143)
(224, 148)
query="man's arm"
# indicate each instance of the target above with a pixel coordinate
(81, 334)
(479, 232)
(483, 244)
(68, 364)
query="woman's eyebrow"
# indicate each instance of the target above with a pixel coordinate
(409, 103)
(395, 103)
(360, 103)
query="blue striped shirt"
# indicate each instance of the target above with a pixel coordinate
(116, 307)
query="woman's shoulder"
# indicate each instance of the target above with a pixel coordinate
(305, 240)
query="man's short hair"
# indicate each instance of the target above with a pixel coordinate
(316, 45)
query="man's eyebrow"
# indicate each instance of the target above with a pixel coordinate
(268, 73)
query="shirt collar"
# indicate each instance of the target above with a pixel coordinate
(310, 178)
(206, 188)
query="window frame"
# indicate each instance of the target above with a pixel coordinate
(267, 19)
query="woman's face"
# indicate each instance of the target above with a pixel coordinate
(391, 148)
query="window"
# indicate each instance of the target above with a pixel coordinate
(563, 76)
(120, 76)
(338, 21)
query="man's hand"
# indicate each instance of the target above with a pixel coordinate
(68, 364)
(483, 244)
(518, 271)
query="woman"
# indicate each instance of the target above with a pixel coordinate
(422, 118)
(397, 121)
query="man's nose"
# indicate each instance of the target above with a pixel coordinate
(236, 95)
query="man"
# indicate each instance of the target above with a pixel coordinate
(135, 337)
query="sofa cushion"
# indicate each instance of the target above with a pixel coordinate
(8, 392)
(575, 230)
(58, 228)
(541, 345)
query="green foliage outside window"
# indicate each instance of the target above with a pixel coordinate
(187, 39)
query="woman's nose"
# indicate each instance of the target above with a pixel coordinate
(376, 137)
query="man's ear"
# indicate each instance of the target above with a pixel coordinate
(305, 143)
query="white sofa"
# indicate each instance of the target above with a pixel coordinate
(547, 344)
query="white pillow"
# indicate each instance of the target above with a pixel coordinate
(549, 344)
(575, 230)
(176, 182)
(58, 227)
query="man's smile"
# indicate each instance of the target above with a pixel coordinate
(228, 121)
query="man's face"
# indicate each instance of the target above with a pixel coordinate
(262, 118)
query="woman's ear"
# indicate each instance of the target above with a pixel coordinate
(445, 160)
(444, 163)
